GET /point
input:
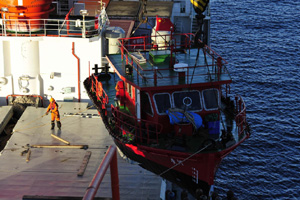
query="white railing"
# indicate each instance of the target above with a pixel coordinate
(88, 27)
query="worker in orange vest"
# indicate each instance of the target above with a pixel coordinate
(120, 92)
(53, 108)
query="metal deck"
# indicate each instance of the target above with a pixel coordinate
(205, 72)
(53, 171)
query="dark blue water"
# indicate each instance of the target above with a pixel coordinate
(261, 41)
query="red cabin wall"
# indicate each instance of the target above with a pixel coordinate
(130, 99)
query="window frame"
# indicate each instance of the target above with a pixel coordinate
(147, 94)
(218, 92)
(200, 96)
(154, 100)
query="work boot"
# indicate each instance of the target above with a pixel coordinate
(58, 124)
(52, 125)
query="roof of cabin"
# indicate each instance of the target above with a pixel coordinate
(132, 8)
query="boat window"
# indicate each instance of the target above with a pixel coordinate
(211, 99)
(146, 104)
(187, 100)
(162, 102)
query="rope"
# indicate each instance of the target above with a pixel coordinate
(185, 159)
(141, 14)
(205, 59)
(194, 67)
(50, 122)
(189, 116)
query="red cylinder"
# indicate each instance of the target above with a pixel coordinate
(26, 15)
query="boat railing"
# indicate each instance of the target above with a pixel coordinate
(143, 130)
(128, 46)
(85, 28)
(134, 129)
(110, 160)
(97, 88)
(240, 118)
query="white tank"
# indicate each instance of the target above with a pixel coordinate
(113, 34)
(25, 66)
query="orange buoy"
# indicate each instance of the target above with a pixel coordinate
(25, 15)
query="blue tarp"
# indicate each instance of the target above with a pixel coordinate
(179, 117)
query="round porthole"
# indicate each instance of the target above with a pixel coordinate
(187, 101)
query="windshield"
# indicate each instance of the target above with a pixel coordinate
(162, 102)
(188, 100)
(211, 99)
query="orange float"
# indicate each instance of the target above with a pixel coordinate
(25, 15)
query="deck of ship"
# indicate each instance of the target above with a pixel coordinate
(202, 71)
(54, 171)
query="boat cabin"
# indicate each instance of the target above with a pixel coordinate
(165, 92)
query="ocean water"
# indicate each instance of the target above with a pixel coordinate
(261, 41)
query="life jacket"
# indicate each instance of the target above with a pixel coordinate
(53, 105)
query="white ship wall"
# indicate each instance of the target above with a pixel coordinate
(45, 66)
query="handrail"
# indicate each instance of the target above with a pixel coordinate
(131, 122)
(100, 92)
(110, 159)
(52, 27)
(138, 127)
(144, 43)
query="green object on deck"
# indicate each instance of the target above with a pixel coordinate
(160, 56)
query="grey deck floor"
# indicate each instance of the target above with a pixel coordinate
(205, 72)
(53, 171)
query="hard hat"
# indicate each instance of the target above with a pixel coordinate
(51, 100)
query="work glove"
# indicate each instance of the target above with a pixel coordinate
(46, 113)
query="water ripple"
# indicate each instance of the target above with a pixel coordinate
(261, 41)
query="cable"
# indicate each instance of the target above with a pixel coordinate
(185, 159)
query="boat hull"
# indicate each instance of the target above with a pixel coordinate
(189, 182)
(190, 170)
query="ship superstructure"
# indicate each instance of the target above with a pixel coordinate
(169, 107)
(45, 54)
(47, 47)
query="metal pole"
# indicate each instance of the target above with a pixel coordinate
(4, 23)
(114, 177)
(109, 159)
(83, 29)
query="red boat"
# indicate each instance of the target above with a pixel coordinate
(168, 106)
